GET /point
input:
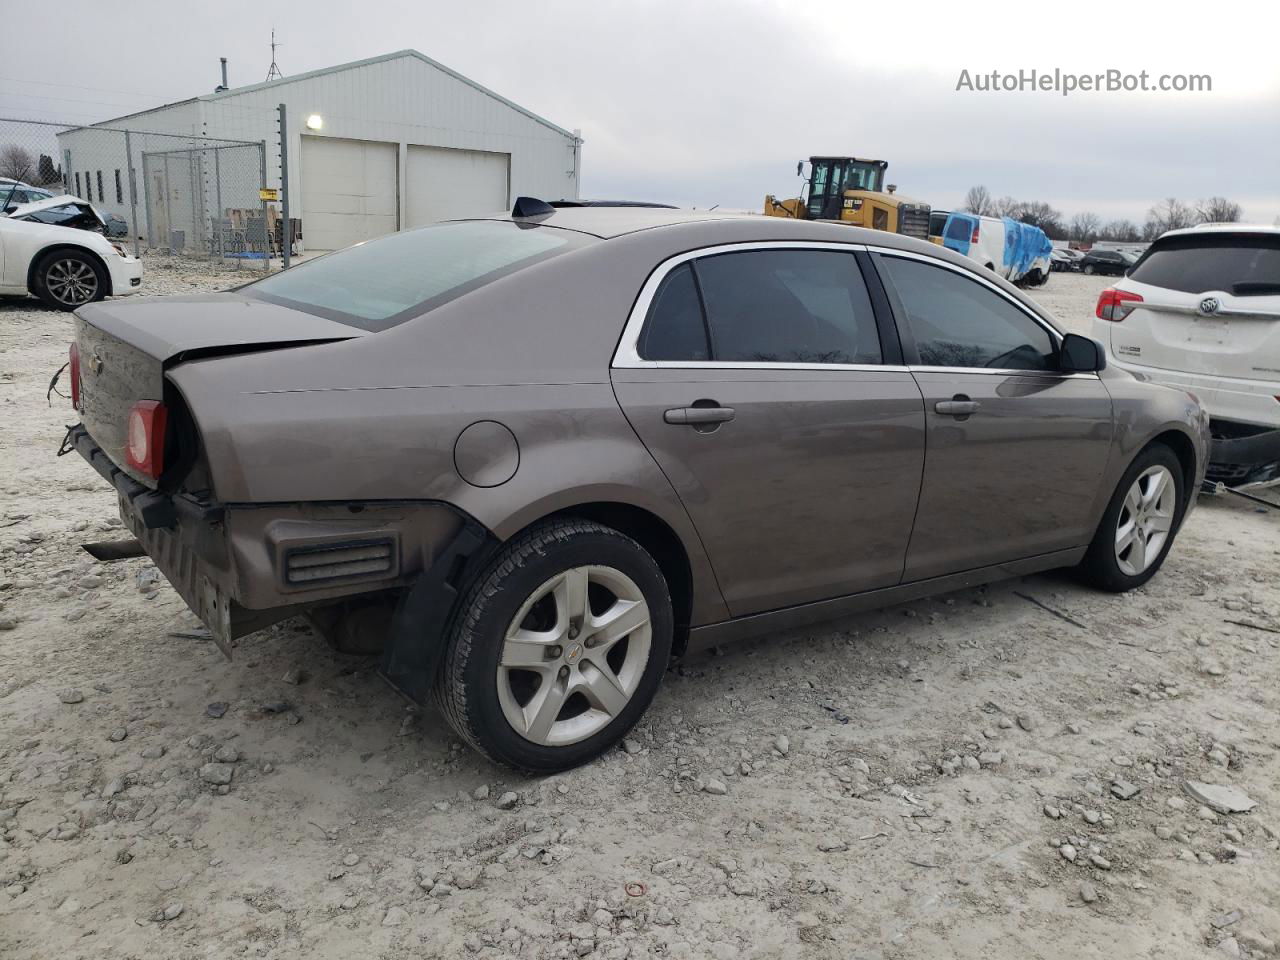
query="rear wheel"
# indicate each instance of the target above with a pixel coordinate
(66, 279)
(558, 648)
(1139, 525)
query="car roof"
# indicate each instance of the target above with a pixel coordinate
(609, 222)
(693, 229)
(1203, 228)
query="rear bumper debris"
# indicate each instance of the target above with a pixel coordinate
(1243, 455)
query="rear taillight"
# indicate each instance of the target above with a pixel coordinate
(75, 375)
(974, 238)
(144, 448)
(1115, 305)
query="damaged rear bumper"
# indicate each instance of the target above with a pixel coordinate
(241, 567)
(1243, 455)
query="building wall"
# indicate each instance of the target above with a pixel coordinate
(402, 100)
(90, 150)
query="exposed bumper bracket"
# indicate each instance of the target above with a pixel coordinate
(422, 617)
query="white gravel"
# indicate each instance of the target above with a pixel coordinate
(849, 806)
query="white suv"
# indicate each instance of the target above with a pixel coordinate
(1201, 310)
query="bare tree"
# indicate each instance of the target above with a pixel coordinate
(1169, 214)
(978, 201)
(1006, 206)
(1123, 231)
(1218, 210)
(1040, 214)
(15, 162)
(1084, 227)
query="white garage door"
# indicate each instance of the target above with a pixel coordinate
(349, 191)
(443, 184)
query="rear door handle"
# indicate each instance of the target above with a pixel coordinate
(959, 406)
(696, 415)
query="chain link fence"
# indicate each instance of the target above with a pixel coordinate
(164, 193)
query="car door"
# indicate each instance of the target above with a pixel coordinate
(772, 394)
(1015, 449)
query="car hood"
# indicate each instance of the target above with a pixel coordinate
(171, 328)
(35, 206)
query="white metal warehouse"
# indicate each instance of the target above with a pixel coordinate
(374, 146)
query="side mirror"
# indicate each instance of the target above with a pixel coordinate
(1081, 355)
(799, 168)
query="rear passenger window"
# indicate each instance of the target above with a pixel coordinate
(788, 306)
(958, 322)
(675, 329)
(763, 306)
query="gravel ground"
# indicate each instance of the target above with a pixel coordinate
(996, 773)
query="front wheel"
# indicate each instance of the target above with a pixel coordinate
(1087, 269)
(66, 279)
(558, 648)
(1139, 524)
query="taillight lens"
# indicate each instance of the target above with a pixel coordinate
(1115, 305)
(74, 367)
(974, 238)
(144, 448)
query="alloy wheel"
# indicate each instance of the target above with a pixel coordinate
(1145, 521)
(574, 655)
(72, 282)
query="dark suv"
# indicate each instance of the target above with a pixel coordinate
(1109, 262)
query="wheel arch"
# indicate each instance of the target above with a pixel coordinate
(661, 542)
(93, 255)
(1185, 451)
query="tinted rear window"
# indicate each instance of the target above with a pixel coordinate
(1238, 264)
(788, 306)
(381, 283)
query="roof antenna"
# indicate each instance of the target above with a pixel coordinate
(273, 72)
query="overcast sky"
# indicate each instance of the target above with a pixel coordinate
(701, 102)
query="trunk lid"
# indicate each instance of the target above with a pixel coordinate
(1231, 336)
(126, 347)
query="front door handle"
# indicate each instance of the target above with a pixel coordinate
(699, 415)
(957, 406)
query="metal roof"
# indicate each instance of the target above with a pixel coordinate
(370, 61)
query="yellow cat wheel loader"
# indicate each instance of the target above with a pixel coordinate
(850, 190)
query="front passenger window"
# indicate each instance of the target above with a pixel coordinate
(958, 322)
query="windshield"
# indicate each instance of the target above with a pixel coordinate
(381, 283)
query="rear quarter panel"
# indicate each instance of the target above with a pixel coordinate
(1143, 412)
(378, 418)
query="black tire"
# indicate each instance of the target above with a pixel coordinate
(50, 279)
(1100, 567)
(466, 689)
(1087, 269)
